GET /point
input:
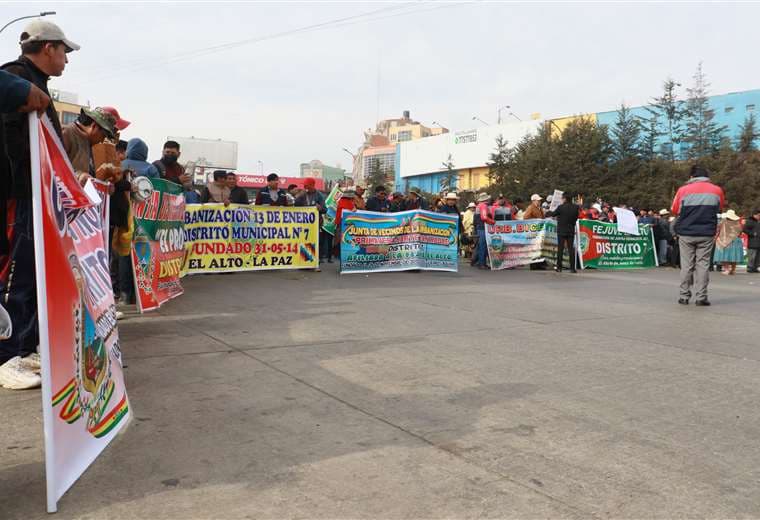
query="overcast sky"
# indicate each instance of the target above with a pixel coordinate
(306, 95)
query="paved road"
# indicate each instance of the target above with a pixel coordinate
(484, 394)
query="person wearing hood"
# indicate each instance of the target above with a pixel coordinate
(137, 160)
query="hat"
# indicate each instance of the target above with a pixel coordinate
(536, 196)
(103, 119)
(471, 205)
(43, 31)
(731, 215)
(483, 197)
(121, 124)
(597, 206)
(664, 212)
(416, 191)
(309, 182)
(451, 195)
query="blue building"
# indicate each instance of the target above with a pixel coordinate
(730, 110)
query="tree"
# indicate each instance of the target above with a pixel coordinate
(498, 165)
(375, 176)
(703, 135)
(624, 143)
(668, 108)
(650, 137)
(748, 135)
(449, 179)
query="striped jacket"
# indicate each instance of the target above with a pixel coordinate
(697, 204)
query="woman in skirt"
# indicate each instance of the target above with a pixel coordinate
(728, 246)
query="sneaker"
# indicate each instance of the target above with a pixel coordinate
(317, 270)
(15, 376)
(119, 315)
(6, 326)
(683, 301)
(32, 362)
(702, 303)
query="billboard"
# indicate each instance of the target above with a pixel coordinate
(251, 180)
(211, 153)
(468, 149)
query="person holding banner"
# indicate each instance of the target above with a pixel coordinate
(482, 217)
(44, 50)
(567, 214)
(272, 195)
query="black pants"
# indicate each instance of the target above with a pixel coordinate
(18, 284)
(325, 245)
(570, 241)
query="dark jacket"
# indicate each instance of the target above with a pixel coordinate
(696, 206)
(263, 198)
(13, 92)
(312, 199)
(15, 169)
(453, 210)
(752, 230)
(239, 196)
(170, 172)
(136, 161)
(375, 204)
(567, 215)
(118, 203)
(661, 230)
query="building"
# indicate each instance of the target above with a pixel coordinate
(379, 145)
(252, 183)
(421, 163)
(66, 104)
(329, 174)
(729, 109)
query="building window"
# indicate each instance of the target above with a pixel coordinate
(68, 117)
(393, 137)
(728, 110)
(750, 108)
(405, 135)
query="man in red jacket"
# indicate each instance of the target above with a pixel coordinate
(696, 205)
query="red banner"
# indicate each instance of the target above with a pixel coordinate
(249, 180)
(84, 399)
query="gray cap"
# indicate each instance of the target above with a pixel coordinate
(42, 31)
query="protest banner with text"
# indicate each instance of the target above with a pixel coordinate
(375, 242)
(84, 401)
(158, 245)
(602, 246)
(221, 239)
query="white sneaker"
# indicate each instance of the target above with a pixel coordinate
(15, 376)
(6, 327)
(119, 315)
(32, 362)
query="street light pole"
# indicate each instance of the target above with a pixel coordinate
(261, 167)
(515, 116)
(43, 13)
(498, 113)
(439, 124)
(476, 118)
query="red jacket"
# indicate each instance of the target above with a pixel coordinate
(697, 204)
(343, 204)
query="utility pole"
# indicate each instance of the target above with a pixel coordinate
(43, 13)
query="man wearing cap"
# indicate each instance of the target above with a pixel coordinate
(379, 201)
(415, 200)
(662, 236)
(534, 210)
(696, 206)
(450, 207)
(91, 127)
(43, 54)
(272, 195)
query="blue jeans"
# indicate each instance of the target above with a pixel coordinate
(482, 248)
(662, 251)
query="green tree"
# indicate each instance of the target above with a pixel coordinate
(650, 138)
(624, 138)
(449, 179)
(670, 110)
(375, 176)
(703, 135)
(747, 135)
(498, 164)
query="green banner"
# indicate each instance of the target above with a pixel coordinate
(602, 246)
(331, 205)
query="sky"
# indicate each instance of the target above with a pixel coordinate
(290, 92)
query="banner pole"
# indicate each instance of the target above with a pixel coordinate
(42, 310)
(578, 244)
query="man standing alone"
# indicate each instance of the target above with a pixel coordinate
(567, 215)
(696, 206)
(752, 230)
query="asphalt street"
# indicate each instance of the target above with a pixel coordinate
(510, 394)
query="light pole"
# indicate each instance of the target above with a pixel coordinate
(515, 116)
(498, 113)
(261, 167)
(43, 13)
(439, 124)
(476, 118)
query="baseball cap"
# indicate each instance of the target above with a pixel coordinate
(103, 119)
(42, 31)
(120, 124)
(536, 196)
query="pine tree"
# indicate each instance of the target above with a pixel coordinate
(625, 138)
(703, 135)
(748, 135)
(670, 110)
(449, 179)
(650, 137)
(498, 165)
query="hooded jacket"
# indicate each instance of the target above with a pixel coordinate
(697, 204)
(137, 155)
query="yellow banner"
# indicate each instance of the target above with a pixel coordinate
(223, 239)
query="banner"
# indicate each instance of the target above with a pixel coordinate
(222, 239)
(331, 205)
(158, 246)
(602, 246)
(513, 243)
(104, 192)
(374, 242)
(84, 401)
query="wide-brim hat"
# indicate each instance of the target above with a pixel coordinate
(452, 195)
(664, 212)
(470, 205)
(416, 191)
(103, 119)
(483, 197)
(731, 215)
